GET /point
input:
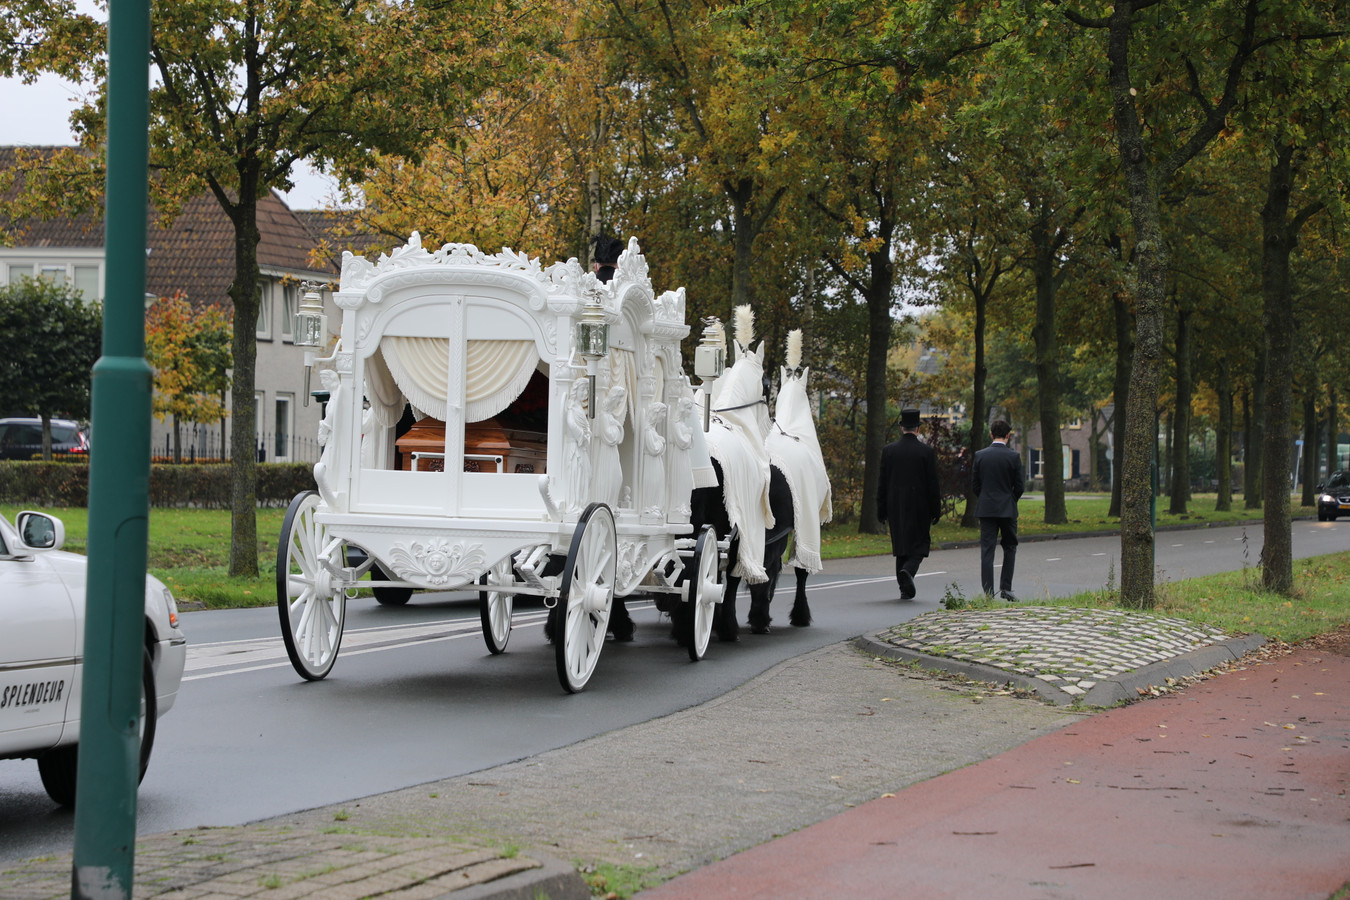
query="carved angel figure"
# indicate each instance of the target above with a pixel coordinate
(577, 426)
(653, 467)
(607, 477)
(680, 429)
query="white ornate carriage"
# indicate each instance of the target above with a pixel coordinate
(545, 460)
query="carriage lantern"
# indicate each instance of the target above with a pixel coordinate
(710, 360)
(592, 340)
(311, 327)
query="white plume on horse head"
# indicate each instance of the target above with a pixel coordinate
(744, 324)
(794, 348)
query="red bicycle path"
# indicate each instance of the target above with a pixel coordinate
(1233, 787)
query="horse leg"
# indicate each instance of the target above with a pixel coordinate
(801, 610)
(621, 624)
(759, 608)
(761, 595)
(727, 627)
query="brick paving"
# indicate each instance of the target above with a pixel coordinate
(281, 863)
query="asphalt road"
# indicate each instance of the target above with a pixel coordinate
(415, 697)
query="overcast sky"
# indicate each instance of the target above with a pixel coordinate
(40, 114)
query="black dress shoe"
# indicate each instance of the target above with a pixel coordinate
(1008, 595)
(906, 580)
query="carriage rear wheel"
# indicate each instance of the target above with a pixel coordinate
(388, 596)
(705, 592)
(586, 597)
(310, 601)
(494, 607)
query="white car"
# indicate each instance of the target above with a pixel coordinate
(42, 591)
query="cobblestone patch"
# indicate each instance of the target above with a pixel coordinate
(1071, 649)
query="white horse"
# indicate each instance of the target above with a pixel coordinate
(794, 450)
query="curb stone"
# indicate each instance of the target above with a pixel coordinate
(552, 880)
(1107, 692)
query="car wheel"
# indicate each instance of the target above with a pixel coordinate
(1321, 516)
(59, 767)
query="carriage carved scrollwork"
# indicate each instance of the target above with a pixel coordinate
(437, 562)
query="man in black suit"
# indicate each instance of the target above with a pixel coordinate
(909, 499)
(997, 482)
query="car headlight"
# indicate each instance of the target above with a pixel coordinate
(1327, 498)
(171, 606)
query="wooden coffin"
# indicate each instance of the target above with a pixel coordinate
(521, 451)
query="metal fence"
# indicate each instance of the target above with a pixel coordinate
(203, 444)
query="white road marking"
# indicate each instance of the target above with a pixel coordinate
(1054, 558)
(253, 655)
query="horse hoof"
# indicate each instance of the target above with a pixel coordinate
(800, 623)
(624, 632)
(759, 629)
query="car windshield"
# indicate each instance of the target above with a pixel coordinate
(1338, 481)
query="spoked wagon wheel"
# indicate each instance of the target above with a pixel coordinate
(705, 592)
(494, 607)
(311, 603)
(586, 597)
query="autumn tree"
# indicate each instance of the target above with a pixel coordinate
(52, 338)
(189, 348)
(242, 91)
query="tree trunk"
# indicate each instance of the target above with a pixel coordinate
(1047, 372)
(1310, 449)
(1165, 457)
(243, 465)
(1251, 474)
(979, 410)
(1181, 419)
(1223, 442)
(1333, 432)
(1121, 395)
(46, 437)
(879, 300)
(1277, 572)
(177, 441)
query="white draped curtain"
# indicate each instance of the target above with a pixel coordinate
(419, 368)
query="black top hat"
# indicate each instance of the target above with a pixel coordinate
(607, 250)
(909, 418)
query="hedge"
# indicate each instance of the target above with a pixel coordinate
(207, 486)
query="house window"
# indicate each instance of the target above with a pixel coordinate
(289, 307)
(259, 432)
(19, 271)
(54, 274)
(87, 283)
(265, 310)
(1037, 463)
(281, 449)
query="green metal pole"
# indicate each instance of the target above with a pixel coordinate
(119, 490)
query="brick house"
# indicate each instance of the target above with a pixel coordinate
(195, 255)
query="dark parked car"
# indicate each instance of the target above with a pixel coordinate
(1333, 496)
(22, 438)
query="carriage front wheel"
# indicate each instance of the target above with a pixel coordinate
(311, 602)
(585, 598)
(705, 592)
(494, 607)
